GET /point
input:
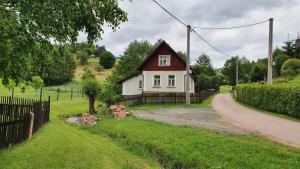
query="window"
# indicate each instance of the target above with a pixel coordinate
(164, 60)
(171, 81)
(140, 84)
(156, 81)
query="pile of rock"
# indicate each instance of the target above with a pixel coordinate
(118, 111)
(88, 119)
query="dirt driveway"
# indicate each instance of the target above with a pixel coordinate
(278, 129)
(192, 117)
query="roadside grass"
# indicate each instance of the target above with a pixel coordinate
(182, 147)
(60, 145)
(295, 80)
(225, 89)
(204, 104)
(284, 116)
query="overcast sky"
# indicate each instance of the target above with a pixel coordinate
(148, 21)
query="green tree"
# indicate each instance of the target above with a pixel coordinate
(229, 70)
(289, 48)
(134, 55)
(258, 73)
(291, 67)
(37, 82)
(88, 74)
(279, 60)
(24, 23)
(107, 60)
(92, 89)
(204, 66)
(83, 57)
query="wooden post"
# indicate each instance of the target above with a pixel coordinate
(71, 93)
(41, 93)
(31, 125)
(57, 94)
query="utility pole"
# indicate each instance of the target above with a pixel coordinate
(237, 71)
(187, 85)
(270, 57)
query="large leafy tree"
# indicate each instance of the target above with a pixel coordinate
(134, 55)
(25, 23)
(229, 70)
(204, 66)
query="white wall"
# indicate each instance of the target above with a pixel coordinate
(131, 86)
(179, 81)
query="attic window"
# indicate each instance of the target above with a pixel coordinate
(164, 60)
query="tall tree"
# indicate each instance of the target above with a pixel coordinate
(204, 66)
(289, 48)
(133, 56)
(22, 23)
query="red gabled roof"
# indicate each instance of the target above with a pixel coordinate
(158, 47)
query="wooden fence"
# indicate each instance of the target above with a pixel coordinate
(15, 118)
(163, 98)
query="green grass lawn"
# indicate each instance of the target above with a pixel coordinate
(205, 104)
(182, 147)
(295, 80)
(60, 145)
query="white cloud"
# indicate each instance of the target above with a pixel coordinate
(148, 21)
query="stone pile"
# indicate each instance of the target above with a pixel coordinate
(88, 119)
(118, 111)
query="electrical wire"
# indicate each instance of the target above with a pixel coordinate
(169, 13)
(204, 40)
(233, 27)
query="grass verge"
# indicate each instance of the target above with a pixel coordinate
(181, 147)
(59, 145)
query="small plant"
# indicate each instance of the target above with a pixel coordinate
(99, 68)
(291, 67)
(23, 86)
(11, 84)
(87, 74)
(83, 57)
(37, 82)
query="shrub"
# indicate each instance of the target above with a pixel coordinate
(88, 74)
(83, 57)
(107, 60)
(282, 98)
(291, 67)
(37, 82)
(99, 68)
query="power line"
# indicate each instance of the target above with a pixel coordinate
(193, 30)
(233, 27)
(169, 13)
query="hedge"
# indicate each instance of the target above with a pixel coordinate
(282, 99)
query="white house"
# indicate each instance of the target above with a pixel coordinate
(163, 71)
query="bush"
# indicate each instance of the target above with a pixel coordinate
(83, 57)
(282, 98)
(291, 67)
(88, 74)
(37, 82)
(204, 82)
(107, 60)
(99, 68)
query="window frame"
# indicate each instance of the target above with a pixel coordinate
(159, 81)
(174, 80)
(167, 59)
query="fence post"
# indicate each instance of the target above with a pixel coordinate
(31, 125)
(41, 93)
(71, 93)
(57, 94)
(12, 92)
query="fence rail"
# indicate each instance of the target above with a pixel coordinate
(163, 98)
(15, 118)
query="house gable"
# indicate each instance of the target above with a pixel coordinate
(163, 49)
